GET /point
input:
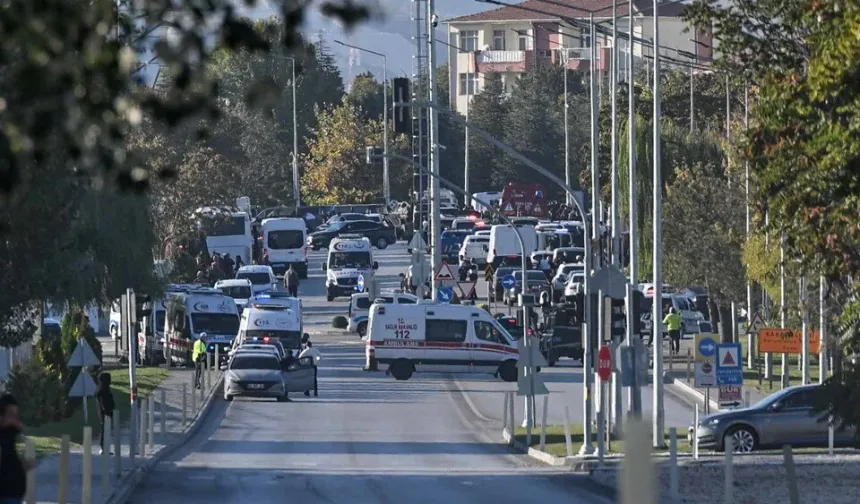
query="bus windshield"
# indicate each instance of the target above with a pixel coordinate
(224, 226)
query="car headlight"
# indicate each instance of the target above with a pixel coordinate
(712, 422)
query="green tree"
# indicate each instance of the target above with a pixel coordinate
(366, 94)
(489, 111)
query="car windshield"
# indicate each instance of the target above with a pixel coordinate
(236, 291)
(255, 278)
(215, 323)
(160, 317)
(359, 260)
(286, 239)
(261, 362)
(335, 227)
(576, 278)
(565, 270)
(533, 276)
(288, 339)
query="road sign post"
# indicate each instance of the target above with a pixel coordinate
(730, 396)
(756, 325)
(529, 384)
(83, 357)
(706, 348)
(445, 295)
(729, 366)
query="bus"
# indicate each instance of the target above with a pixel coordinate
(227, 233)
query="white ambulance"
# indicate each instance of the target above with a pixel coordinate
(410, 338)
(349, 256)
(200, 310)
(267, 318)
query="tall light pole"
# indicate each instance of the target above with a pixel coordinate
(613, 89)
(632, 195)
(435, 229)
(750, 339)
(386, 175)
(296, 192)
(658, 415)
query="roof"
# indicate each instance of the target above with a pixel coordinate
(232, 282)
(550, 10)
(254, 268)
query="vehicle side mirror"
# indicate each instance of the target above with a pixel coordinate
(375, 265)
(323, 266)
(777, 406)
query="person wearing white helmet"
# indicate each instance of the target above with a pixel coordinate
(198, 354)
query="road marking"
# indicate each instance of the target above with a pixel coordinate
(469, 401)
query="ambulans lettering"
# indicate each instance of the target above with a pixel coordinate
(400, 343)
(401, 329)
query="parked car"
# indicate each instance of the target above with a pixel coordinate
(380, 234)
(537, 283)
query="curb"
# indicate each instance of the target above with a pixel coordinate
(124, 488)
(536, 454)
(692, 392)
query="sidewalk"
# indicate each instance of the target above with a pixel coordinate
(48, 471)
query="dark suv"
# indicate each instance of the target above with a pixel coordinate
(380, 234)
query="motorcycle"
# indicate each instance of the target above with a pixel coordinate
(469, 271)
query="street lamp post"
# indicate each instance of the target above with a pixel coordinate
(296, 192)
(658, 414)
(386, 175)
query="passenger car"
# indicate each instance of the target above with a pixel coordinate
(255, 374)
(380, 234)
(537, 283)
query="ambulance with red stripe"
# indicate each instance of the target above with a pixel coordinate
(197, 311)
(421, 338)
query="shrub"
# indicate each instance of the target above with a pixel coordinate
(41, 394)
(75, 325)
(339, 322)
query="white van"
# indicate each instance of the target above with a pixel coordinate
(240, 289)
(285, 240)
(475, 248)
(150, 337)
(504, 243)
(359, 308)
(407, 338)
(349, 256)
(271, 319)
(194, 312)
(261, 276)
(490, 198)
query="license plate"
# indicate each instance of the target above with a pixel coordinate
(255, 386)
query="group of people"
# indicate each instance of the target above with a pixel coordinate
(217, 267)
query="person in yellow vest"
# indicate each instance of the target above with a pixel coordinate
(673, 325)
(197, 355)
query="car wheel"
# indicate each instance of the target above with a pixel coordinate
(381, 243)
(508, 371)
(362, 329)
(742, 438)
(401, 369)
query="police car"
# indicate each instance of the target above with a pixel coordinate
(349, 256)
(409, 338)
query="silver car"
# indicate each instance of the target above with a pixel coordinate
(786, 417)
(255, 374)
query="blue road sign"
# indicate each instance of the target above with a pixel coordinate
(445, 295)
(508, 281)
(707, 346)
(729, 366)
(359, 283)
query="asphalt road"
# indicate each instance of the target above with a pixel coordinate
(366, 439)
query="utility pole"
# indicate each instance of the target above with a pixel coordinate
(824, 348)
(631, 185)
(386, 188)
(613, 90)
(658, 415)
(566, 127)
(751, 340)
(692, 68)
(784, 363)
(467, 197)
(804, 313)
(434, 146)
(296, 191)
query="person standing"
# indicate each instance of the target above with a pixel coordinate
(673, 325)
(291, 281)
(104, 395)
(314, 354)
(198, 354)
(13, 470)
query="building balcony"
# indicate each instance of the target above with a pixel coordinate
(579, 58)
(503, 61)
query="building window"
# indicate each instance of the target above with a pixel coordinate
(499, 40)
(524, 40)
(586, 39)
(468, 83)
(468, 40)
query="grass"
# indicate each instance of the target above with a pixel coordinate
(555, 443)
(47, 437)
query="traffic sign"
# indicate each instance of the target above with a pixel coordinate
(730, 396)
(445, 275)
(704, 372)
(509, 208)
(729, 368)
(84, 385)
(633, 364)
(508, 281)
(466, 289)
(445, 295)
(604, 363)
(359, 284)
(531, 383)
(417, 242)
(488, 272)
(83, 356)
(756, 325)
(790, 341)
(528, 381)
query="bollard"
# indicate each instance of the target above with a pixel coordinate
(163, 416)
(638, 476)
(30, 456)
(217, 358)
(689, 366)
(567, 441)
(673, 463)
(141, 426)
(202, 391)
(505, 413)
(87, 481)
(106, 441)
(830, 437)
(696, 433)
(511, 415)
(117, 442)
(184, 404)
(150, 403)
(791, 477)
(729, 490)
(63, 483)
(746, 398)
(543, 423)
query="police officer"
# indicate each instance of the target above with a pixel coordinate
(197, 355)
(673, 325)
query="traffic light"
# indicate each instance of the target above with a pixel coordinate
(402, 114)
(617, 318)
(638, 299)
(143, 306)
